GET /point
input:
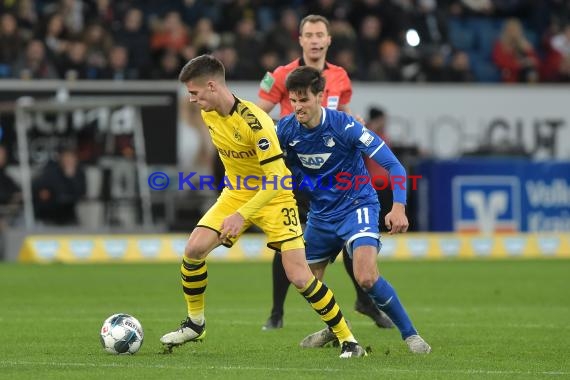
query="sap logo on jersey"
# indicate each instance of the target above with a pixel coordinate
(314, 161)
(486, 204)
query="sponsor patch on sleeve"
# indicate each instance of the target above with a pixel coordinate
(263, 144)
(366, 138)
(267, 82)
(332, 102)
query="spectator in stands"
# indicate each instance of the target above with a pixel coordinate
(34, 64)
(392, 17)
(246, 40)
(332, 10)
(10, 43)
(343, 35)
(205, 38)
(268, 61)
(117, 68)
(72, 11)
(10, 195)
(561, 41)
(246, 21)
(435, 69)
(228, 55)
(56, 38)
(431, 25)
(346, 59)
(388, 68)
(234, 11)
(460, 69)
(74, 63)
(192, 11)
(105, 13)
(514, 55)
(168, 67)
(27, 17)
(58, 188)
(556, 65)
(98, 42)
(134, 34)
(284, 36)
(476, 7)
(171, 33)
(369, 37)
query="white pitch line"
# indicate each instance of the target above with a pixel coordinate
(11, 363)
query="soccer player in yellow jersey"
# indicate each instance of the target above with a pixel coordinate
(246, 140)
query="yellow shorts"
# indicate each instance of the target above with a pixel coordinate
(279, 220)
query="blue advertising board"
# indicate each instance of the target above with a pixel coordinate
(494, 195)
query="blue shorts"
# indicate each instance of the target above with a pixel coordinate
(324, 241)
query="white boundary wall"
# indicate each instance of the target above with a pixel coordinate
(447, 120)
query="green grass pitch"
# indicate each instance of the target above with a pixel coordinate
(500, 319)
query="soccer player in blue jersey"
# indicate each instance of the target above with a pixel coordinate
(323, 150)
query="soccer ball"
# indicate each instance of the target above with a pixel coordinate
(122, 334)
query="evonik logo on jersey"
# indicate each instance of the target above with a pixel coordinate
(234, 154)
(314, 161)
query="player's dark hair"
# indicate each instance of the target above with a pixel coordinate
(202, 66)
(305, 78)
(314, 19)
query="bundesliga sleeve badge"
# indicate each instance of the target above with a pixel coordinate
(267, 82)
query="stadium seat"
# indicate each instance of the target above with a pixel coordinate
(461, 35)
(486, 33)
(5, 70)
(483, 68)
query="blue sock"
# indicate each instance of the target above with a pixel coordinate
(387, 300)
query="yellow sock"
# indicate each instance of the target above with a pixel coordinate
(322, 301)
(194, 282)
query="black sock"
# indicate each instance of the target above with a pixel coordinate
(361, 295)
(280, 286)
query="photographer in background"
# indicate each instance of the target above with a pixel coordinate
(58, 188)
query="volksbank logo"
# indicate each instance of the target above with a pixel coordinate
(81, 249)
(418, 247)
(450, 247)
(149, 248)
(46, 249)
(314, 161)
(515, 246)
(486, 204)
(251, 246)
(178, 246)
(115, 249)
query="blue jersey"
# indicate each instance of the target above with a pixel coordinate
(327, 162)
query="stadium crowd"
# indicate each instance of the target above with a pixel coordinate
(374, 40)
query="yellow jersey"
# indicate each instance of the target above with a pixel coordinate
(245, 140)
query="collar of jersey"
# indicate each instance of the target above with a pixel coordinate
(234, 107)
(318, 127)
(302, 63)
